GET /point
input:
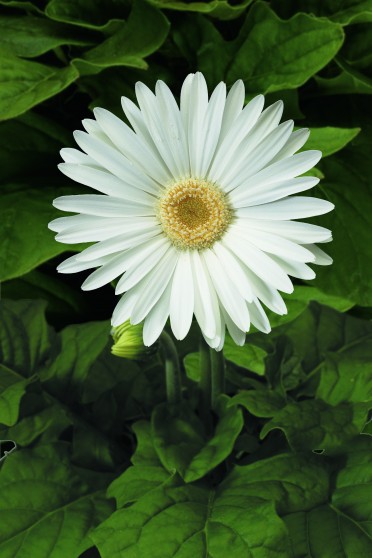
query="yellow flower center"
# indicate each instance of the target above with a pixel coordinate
(194, 213)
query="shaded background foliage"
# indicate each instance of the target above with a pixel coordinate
(103, 467)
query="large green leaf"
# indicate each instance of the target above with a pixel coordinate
(220, 9)
(345, 12)
(146, 474)
(330, 140)
(29, 36)
(24, 84)
(293, 482)
(134, 40)
(44, 381)
(352, 496)
(190, 521)
(346, 522)
(24, 237)
(326, 534)
(315, 425)
(182, 445)
(102, 15)
(274, 54)
(350, 222)
(47, 508)
(329, 334)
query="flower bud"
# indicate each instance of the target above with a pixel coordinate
(128, 341)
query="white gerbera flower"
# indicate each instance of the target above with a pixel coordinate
(196, 215)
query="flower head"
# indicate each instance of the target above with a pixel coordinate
(196, 212)
(128, 341)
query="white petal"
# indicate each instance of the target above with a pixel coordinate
(138, 124)
(101, 228)
(295, 269)
(280, 171)
(106, 183)
(237, 335)
(112, 160)
(296, 207)
(121, 262)
(152, 112)
(124, 307)
(212, 125)
(274, 244)
(226, 291)
(74, 156)
(234, 270)
(321, 258)
(302, 233)
(258, 317)
(218, 340)
(259, 262)
(102, 206)
(153, 285)
(295, 142)
(157, 318)
(206, 309)
(73, 265)
(95, 130)
(265, 292)
(198, 108)
(131, 145)
(140, 269)
(172, 124)
(185, 102)
(182, 297)
(121, 242)
(259, 195)
(233, 107)
(238, 131)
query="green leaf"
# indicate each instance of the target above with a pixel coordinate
(24, 84)
(324, 531)
(101, 15)
(220, 9)
(259, 402)
(346, 522)
(29, 36)
(353, 490)
(275, 54)
(293, 482)
(25, 337)
(63, 301)
(146, 474)
(329, 334)
(27, 6)
(345, 12)
(134, 40)
(249, 356)
(350, 223)
(24, 216)
(299, 300)
(330, 140)
(190, 521)
(181, 443)
(11, 393)
(315, 425)
(344, 83)
(59, 506)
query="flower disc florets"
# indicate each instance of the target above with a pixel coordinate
(194, 213)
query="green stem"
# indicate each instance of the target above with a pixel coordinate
(217, 375)
(172, 368)
(205, 381)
